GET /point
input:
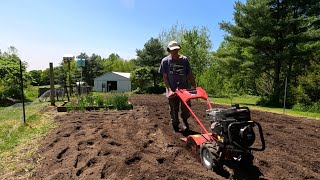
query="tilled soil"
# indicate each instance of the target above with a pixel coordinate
(140, 144)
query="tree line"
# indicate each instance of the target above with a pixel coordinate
(273, 43)
(272, 46)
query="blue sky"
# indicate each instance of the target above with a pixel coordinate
(44, 30)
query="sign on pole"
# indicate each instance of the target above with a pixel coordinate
(81, 62)
(68, 58)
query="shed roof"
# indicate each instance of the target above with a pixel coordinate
(122, 74)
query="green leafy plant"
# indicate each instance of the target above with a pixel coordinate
(314, 107)
(120, 101)
(71, 106)
(100, 101)
(82, 104)
(108, 101)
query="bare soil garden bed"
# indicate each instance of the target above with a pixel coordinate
(140, 144)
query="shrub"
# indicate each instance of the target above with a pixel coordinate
(141, 78)
(314, 107)
(99, 101)
(264, 101)
(120, 101)
(137, 91)
(71, 106)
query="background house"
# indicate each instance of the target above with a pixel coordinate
(113, 81)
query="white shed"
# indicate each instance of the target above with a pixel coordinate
(113, 81)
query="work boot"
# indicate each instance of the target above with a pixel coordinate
(186, 124)
(176, 129)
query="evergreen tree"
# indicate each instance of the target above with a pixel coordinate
(151, 56)
(278, 37)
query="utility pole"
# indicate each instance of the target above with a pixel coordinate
(80, 63)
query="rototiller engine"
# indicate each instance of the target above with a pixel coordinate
(233, 133)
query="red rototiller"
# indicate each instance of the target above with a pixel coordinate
(232, 137)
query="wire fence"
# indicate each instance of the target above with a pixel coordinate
(11, 117)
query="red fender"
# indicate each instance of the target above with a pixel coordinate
(194, 141)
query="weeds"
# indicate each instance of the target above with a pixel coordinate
(117, 101)
(120, 101)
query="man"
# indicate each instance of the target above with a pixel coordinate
(176, 73)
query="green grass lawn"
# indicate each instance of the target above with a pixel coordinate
(31, 93)
(11, 123)
(250, 101)
(18, 140)
(243, 100)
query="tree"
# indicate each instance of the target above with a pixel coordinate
(62, 75)
(56, 74)
(141, 78)
(230, 71)
(93, 68)
(62, 72)
(212, 80)
(115, 63)
(35, 76)
(45, 77)
(151, 56)
(10, 74)
(196, 45)
(309, 85)
(278, 37)
(175, 33)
